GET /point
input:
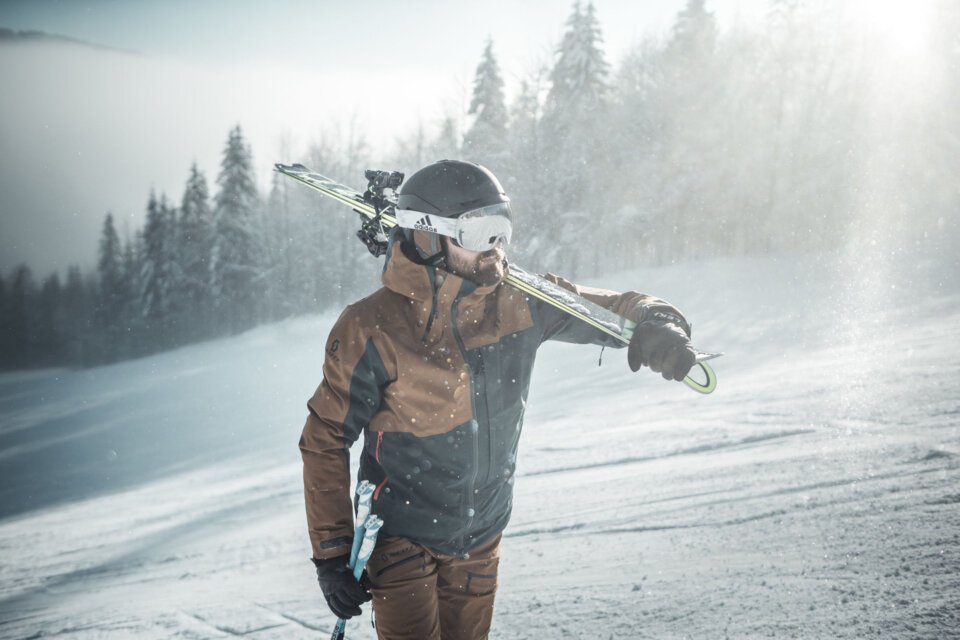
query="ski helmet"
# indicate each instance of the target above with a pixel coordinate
(451, 189)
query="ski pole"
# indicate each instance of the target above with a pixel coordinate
(368, 540)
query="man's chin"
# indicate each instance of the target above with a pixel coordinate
(486, 275)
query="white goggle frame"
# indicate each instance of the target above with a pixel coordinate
(476, 230)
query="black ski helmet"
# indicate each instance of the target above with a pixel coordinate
(450, 187)
(446, 188)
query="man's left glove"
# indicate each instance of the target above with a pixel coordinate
(661, 341)
(343, 593)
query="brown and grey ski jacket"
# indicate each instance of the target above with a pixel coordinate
(434, 371)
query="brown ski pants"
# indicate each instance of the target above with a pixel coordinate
(419, 594)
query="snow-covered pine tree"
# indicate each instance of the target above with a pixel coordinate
(5, 342)
(79, 299)
(157, 277)
(692, 96)
(694, 34)
(18, 318)
(278, 242)
(109, 312)
(129, 287)
(573, 121)
(523, 181)
(236, 258)
(486, 140)
(195, 245)
(49, 323)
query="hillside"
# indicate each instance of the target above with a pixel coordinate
(815, 494)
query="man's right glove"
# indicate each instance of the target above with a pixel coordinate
(343, 593)
(661, 341)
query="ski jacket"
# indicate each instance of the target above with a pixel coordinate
(434, 371)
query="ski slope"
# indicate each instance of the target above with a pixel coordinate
(815, 494)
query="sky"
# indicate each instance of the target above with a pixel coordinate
(86, 131)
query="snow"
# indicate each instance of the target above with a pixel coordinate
(814, 494)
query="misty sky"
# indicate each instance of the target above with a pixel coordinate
(85, 131)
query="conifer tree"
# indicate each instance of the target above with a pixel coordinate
(5, 343)
(195, 245)
(236, 257)
(78, 304)
(110, 304)
(157, 275)
(694, 34)
(523, 180)
(19, 317)
(572, 123)
(129, 286)
(49, 323)
(486, 140)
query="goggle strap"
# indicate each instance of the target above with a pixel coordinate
(409, 219)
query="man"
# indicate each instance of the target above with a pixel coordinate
(434, 370)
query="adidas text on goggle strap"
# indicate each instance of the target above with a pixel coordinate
(476, 230)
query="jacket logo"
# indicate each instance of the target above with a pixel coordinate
(424, 224)
(332, 351)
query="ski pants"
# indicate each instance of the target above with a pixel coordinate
(419, 594)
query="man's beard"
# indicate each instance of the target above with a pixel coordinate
(483, 275)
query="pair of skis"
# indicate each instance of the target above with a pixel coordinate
(364, 540)
(533, 285)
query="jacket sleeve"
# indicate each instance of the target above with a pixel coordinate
(558, 325)
(340, 409)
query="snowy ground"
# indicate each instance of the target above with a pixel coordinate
(816, 494)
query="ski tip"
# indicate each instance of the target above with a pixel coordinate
(286, 168)
(703, 356)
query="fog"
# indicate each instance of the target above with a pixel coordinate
(86, 130)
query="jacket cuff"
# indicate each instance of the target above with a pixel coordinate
(336, 544)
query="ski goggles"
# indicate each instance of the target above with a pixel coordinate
(475, 230)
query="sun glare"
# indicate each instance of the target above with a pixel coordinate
(903, 26)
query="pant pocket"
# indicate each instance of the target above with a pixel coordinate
(481, 583)
(393, 565)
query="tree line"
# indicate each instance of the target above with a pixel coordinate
(774, 138)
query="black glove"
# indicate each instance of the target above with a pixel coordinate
(343, 593)
(661, 341)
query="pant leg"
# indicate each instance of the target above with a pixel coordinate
(403, 578)
(466, 589)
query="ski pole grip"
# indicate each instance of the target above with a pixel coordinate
(364, 498)
(372, 525)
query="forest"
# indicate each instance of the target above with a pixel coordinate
(800, 134)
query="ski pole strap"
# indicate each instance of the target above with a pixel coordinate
(703, 387)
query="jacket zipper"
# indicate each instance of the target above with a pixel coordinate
(376, 456)
(472, 478)
(483, 437)
(433, 311)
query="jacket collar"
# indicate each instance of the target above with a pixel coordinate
(417, 281)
